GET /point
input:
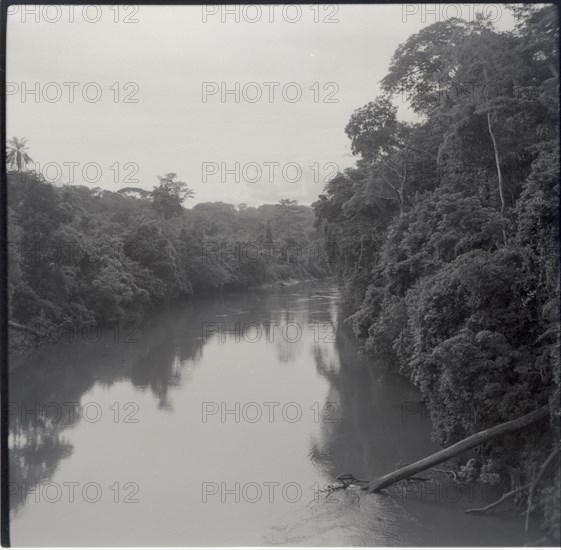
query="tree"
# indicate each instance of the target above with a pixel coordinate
(288, 209)
(135, 192)
(81, 256)
(168, 197)
(445, 237)
(268, 232)
(17, 155)
(492, 71)
(422, 69)
(288, 202)
(373, 129)
(388, 149)
(480, 85)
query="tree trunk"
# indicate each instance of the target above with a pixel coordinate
(499, 172)
(361, 251)
(497, 158)
(458, 448)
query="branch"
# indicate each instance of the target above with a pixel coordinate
(23, 328)
(389, 165)
(532, 485)
(497, 502)
(535, 482)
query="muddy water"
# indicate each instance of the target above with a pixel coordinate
(220, 423)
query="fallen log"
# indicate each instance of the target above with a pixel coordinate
(458, 448)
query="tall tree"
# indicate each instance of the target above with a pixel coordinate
(168, 197)
(17, 155)
(288, 211)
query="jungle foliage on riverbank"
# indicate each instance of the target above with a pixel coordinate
(88, 257)
(444, 236)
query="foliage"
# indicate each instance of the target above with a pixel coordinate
(17, 155)
(168, 197)
(81, 256)
(445, 236)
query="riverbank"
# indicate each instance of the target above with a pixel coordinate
(336, 413)
(24, 340)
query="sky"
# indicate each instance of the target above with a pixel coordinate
(245, 104)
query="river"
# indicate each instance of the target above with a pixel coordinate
(220, 422)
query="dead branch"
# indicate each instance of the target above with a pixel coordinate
(535, 482)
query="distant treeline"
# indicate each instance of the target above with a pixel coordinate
(445, 237)
(80, 256)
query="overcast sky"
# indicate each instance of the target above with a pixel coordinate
(166, 54)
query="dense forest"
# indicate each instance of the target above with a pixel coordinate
(444, 237)
(83, 257)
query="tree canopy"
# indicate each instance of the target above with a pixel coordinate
(444, 237)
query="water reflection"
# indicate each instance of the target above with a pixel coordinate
(271, 346)
(47, 386)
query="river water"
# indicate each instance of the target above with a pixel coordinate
(220, 422)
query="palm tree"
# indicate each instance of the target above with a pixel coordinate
(288, 202)
(17, 153)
